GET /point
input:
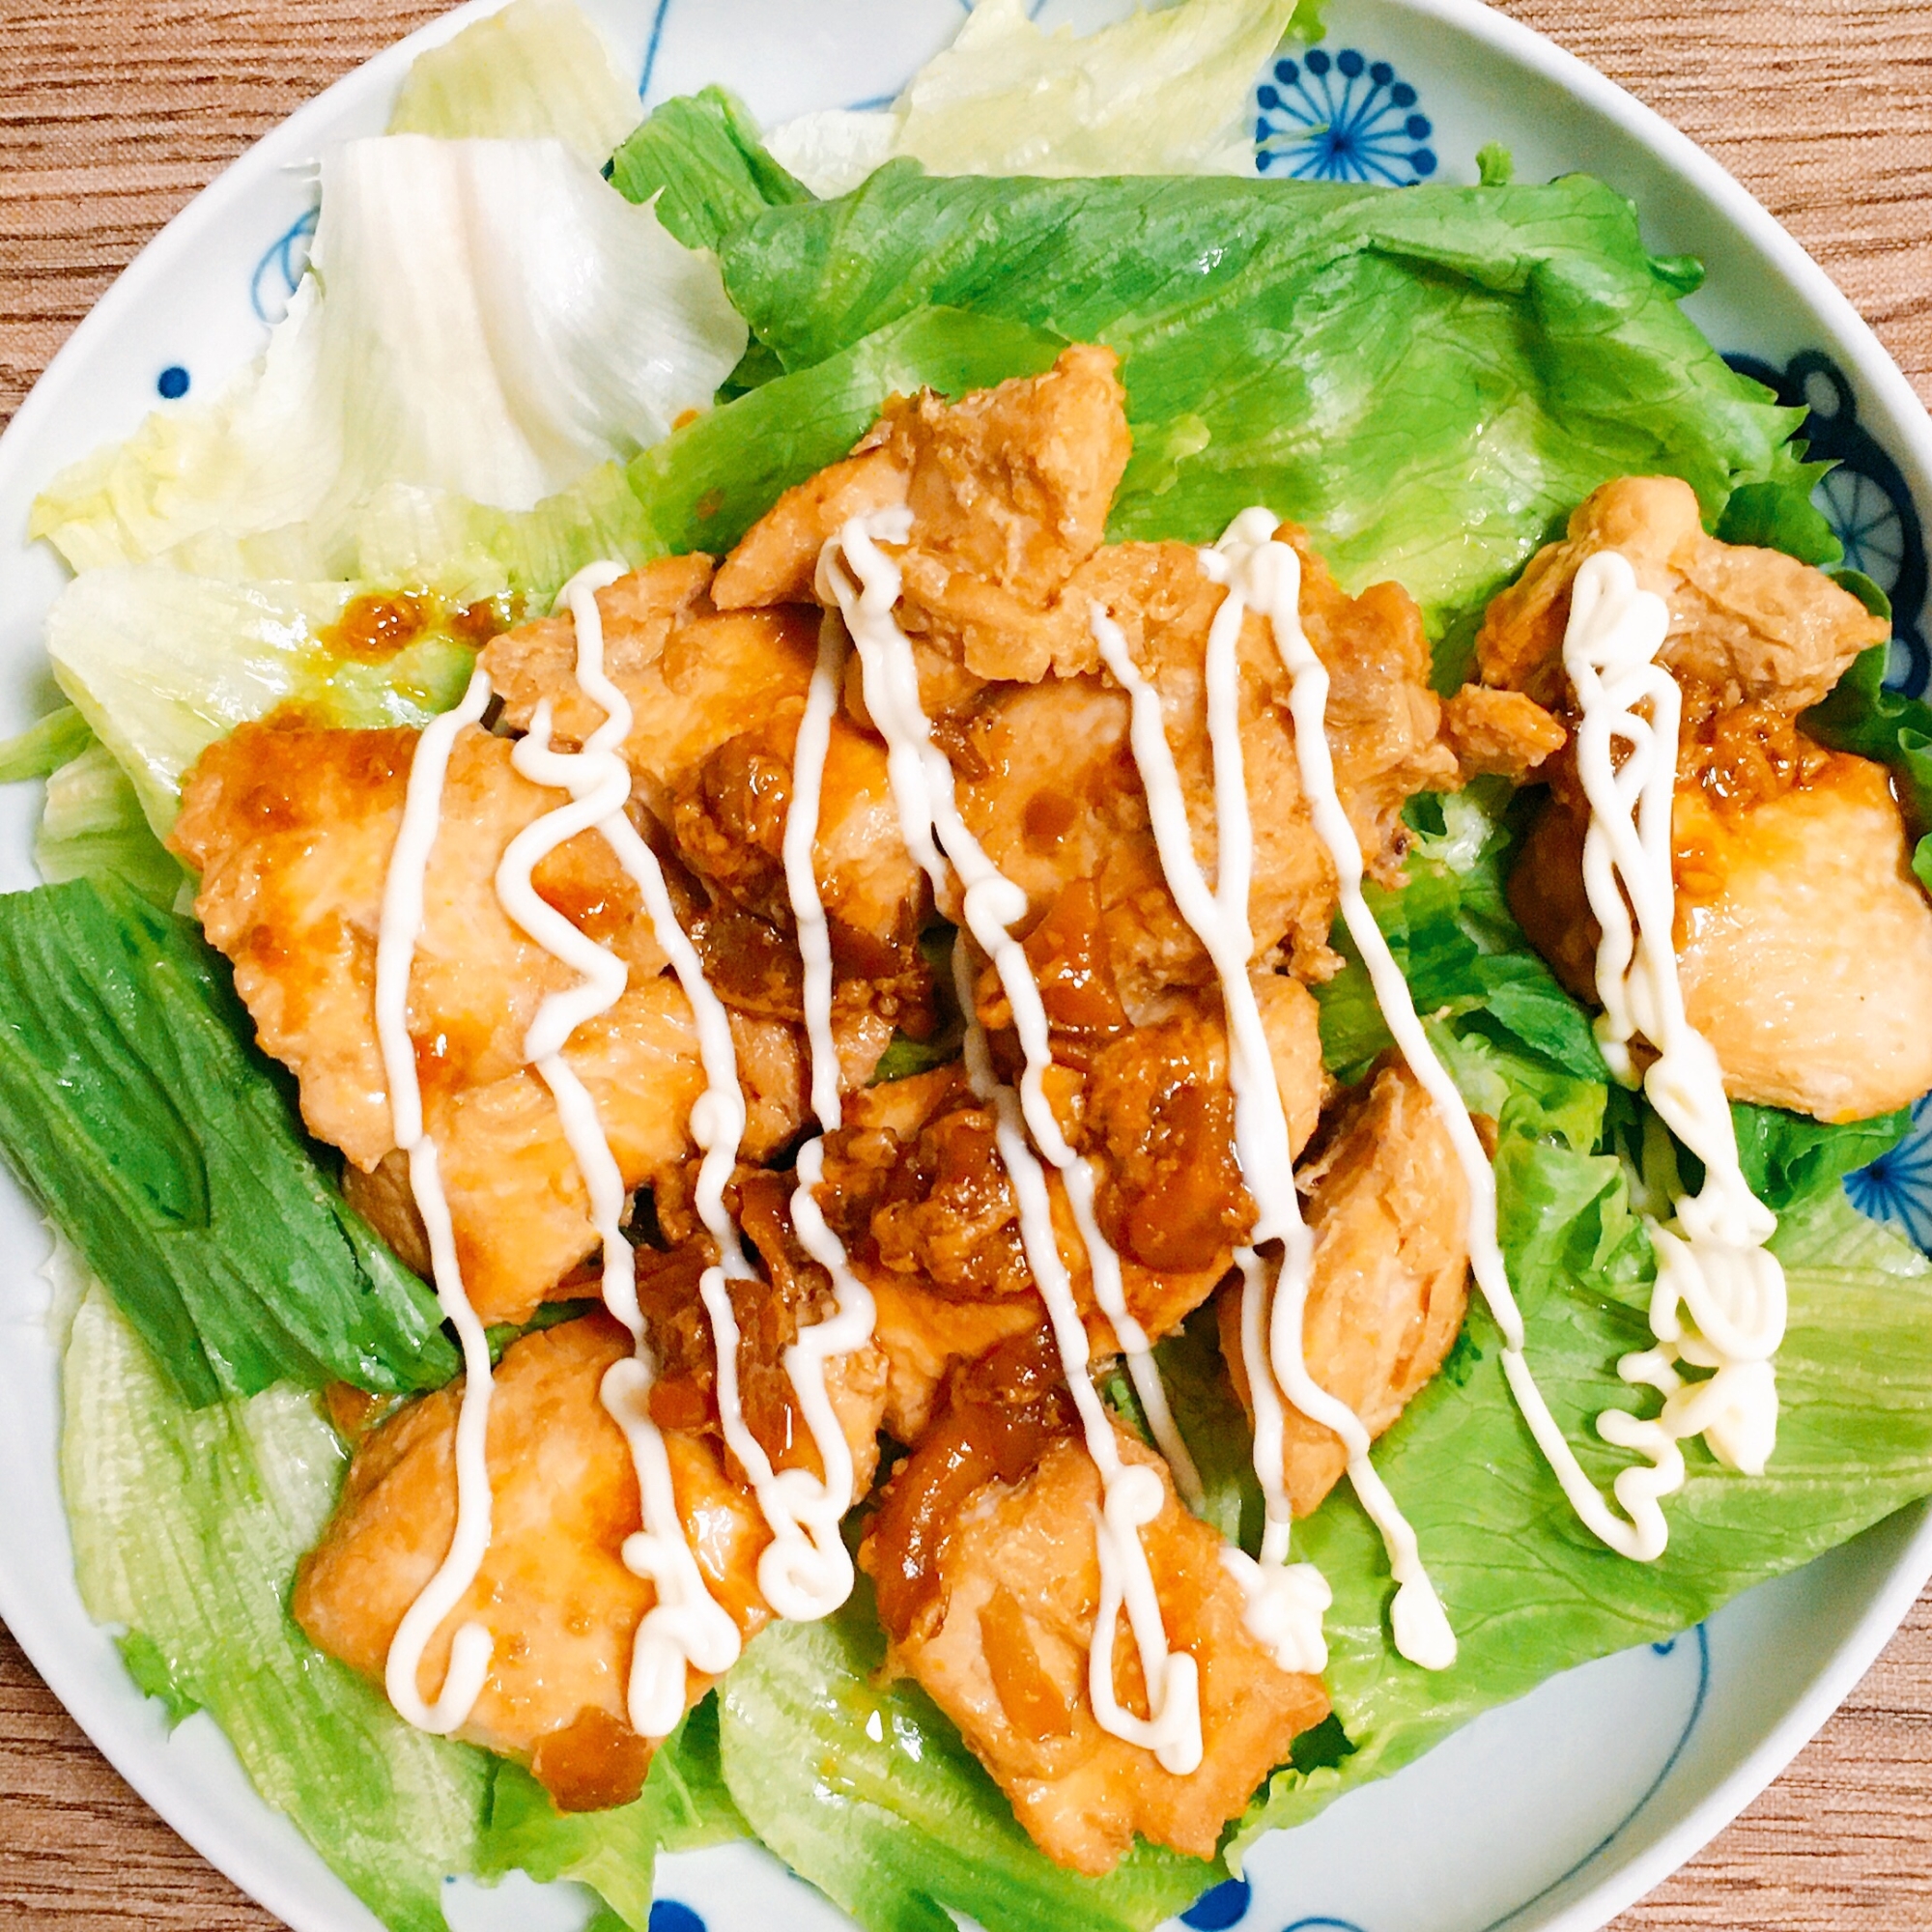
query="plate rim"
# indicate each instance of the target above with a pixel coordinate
(114, 1732)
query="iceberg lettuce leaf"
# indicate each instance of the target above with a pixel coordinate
(92, 826)
(536, 70)
(161, 664)
(485, 320)
(466, 551)
(45, 746)
(187, 1525)
(1166, 91)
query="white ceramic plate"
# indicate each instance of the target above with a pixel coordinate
(1554, 1813)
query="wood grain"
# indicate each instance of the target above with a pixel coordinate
(114, 112)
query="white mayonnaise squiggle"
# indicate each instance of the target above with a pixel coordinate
(1267, 576)
(1285, 1602)
(864, 584)
(805, 1571)
(909, 768)
(686, 1625)
(820, 1501)
(397, 935)
(1713, 1265)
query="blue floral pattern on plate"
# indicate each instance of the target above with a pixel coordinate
(1897, 1186)
(669, 1916)
(280, 273)
(1865, 499)
(1341, 117)
(1220, 1906)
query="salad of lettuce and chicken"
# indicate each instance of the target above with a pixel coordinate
(939, 988)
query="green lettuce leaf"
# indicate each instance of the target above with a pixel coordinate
(1788, 1157)
(535, 70)
(866, 1789)
(685, 1804)
(706, 485)
(1458, 947)
(1195, 1374)
(1865, 590)
(45, 746)
(1860, 715)
(1530, 1591)
(700, 156)
(187, 1525)
(1428, 379)
(1782, 515)
(135, 1108)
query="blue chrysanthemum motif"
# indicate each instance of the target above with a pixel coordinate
(1870, 524)
(1897, 1186)
(1341, 117)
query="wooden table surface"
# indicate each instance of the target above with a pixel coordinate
(114, 112)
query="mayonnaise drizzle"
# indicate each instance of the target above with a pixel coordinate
(804, 1571)
(397, 935)
(1285, 1602)
(820, 1502)
(1712, 1265)
(1265, 575)
(1716, 1268)
(864, 584)
(685, 1627)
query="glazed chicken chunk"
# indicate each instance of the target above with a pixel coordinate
(983, 1554)
(716, 700)
(692, 675)
(292, 830)
(553, 1590)
(1804, 943)
(1804, 940)
(1389, 1208)
(1009, 489)
(916, 1189)
(1745, 623)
